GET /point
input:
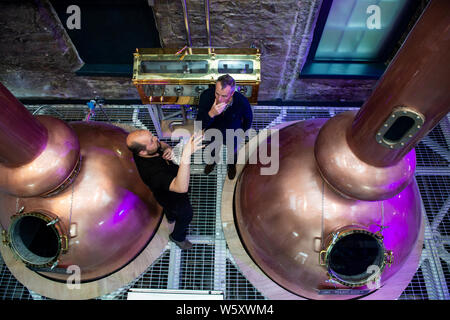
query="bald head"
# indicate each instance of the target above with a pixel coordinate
(142, 142)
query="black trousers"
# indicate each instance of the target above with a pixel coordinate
(180, 211)
(232, 153)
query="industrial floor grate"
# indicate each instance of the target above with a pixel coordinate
(238, 287)
(416, 290)
(197, 268)
(203, 196)
(10, 288)
(209, 265)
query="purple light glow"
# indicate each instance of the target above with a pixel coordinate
(129, 203)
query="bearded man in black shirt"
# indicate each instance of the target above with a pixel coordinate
(168, 182)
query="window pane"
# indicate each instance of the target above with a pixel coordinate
(346, 35)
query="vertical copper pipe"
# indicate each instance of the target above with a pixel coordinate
(208, 27)
(418, 78)
(186, 23)
(22, 137)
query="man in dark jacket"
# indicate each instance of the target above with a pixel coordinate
(224, 108)
(168, 182)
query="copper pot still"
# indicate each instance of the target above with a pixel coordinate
(70, 195)
(343, 211)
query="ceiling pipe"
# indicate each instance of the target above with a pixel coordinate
(208, 26)
(186, 24)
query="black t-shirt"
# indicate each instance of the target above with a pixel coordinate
(158, 173)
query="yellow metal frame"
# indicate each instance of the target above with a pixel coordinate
(211, 55)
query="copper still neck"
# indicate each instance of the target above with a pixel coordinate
(37, 154)
(417, 81)
(369, 155)
(22, 137)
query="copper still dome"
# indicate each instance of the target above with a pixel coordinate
(308, 238)
(70, 196)
(344, 211)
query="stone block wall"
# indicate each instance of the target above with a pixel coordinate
(39, 60)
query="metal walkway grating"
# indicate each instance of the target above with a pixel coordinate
(158, 276)
(209, 265)
(238, 287)
(10, 288)
(197, 268)
(435, 196)
(203, 197)
(416, 290)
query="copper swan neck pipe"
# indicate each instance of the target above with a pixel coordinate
(418, 79)
(37, 154)
(22, 137)
(369, 154)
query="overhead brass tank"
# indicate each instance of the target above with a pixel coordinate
(343, 211)
(70, 195)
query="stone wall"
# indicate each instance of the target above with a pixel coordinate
(282, 30)
(39, 60)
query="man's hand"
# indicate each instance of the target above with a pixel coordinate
(168, 154)
(194, 144)
(216, 109)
